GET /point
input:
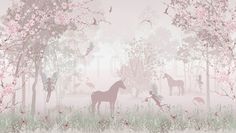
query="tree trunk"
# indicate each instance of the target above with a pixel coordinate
(160, 86)
(16, 75)
(189, 76)
(207, 80)
(13, 102)
(23, 92)
(137, 93)
(48, 96)
(185, 77)
(33, 104)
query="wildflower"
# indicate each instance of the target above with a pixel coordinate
(24, 122)
(60, 112)
(126, 123)
(66, 125)
(22, 112)
(216, 114)
(173, 116)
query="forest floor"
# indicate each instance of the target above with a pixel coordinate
(132, 114)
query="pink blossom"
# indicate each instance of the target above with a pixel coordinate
(8, 89)
(222, 77)
(31, 22)
(201, 13)
(32, 32)
(17, 17)
(64, 5)
(33, 16)
(12, 27)
(2, 108)
(23, 34)
(27, 27)
(62, 18)
(231, 26)
(44, 18)
(73, 5)
(36, 18)
(1, 76)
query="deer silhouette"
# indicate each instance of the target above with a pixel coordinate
(174, 83)
(107, 96)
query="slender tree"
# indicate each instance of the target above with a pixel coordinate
(31, 24)
(211, 21)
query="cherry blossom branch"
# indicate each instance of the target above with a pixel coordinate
(9, 106)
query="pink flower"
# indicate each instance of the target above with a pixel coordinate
(33, 16)
(31, 22)
(17, 17)
(23, 34)
(231, 26)
(222, 77)
(12, 27)
(73, 5)
(201, 13)
(62, 18)
(8, 89)
(64, 5)
(37, 18)
(1, 76)
(32, 32)
(27, 27)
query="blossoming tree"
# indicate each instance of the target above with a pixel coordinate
(140, 68)
(31, 24)
(212, 22)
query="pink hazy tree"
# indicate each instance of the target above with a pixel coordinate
(31, 24)
(211, 22)
(141, 64)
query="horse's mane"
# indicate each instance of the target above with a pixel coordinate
(169, 76)
(115, 84)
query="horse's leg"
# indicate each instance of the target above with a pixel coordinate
(98, 107)
(200, 86)
(111, 108)
(93, 106)
(182, 90)
(170, 90)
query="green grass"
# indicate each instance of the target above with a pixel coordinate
(139, 119)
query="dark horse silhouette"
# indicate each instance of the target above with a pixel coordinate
(174, 83)
(107, 96)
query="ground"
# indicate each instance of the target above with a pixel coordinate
(133, 114)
